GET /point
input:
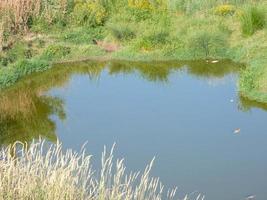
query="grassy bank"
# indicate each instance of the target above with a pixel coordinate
(43, 171)
(60, 30)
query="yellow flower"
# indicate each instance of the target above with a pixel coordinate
(225, 10)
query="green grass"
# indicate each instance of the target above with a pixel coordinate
(252, 19)
(11, 74)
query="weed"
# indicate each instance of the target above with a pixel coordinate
(252, 19)
(42, 171)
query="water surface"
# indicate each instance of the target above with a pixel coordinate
(183, 113)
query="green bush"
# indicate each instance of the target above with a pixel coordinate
(252, 19)
(8, 76)
(204, 44)
(121, 31)
(148, 4)
(139, 15)
(249, 79)
(18, 51)
(152, 39)
(56, 52)
(91, 13)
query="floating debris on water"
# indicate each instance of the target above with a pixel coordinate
(236, 131)
(231, 100)
(214, 61)
(250, 197)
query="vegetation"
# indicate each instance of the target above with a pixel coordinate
(252, 19)
(35, 34)
(42, 171)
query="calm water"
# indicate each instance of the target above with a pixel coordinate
(184, 114)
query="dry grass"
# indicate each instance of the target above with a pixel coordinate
(16, 13)
(1, 35)
(20, 11)
(42, 171)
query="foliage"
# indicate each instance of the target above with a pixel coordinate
(82, 35)
(91, 13)
(252, 19)
(207, 44)
(225, 9)
(148, 4)
(153, 39)
(56, 51)
(122, 31)
(252, 83)
(8, 76)
(19, 51)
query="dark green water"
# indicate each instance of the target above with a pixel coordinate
(183, 113)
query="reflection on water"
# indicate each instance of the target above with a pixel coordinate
(246, 104)
(24, 115)
(25, 109)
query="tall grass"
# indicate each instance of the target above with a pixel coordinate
(20, 11)
(252, 19)
(42, 171)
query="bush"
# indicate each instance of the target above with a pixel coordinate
(121, 31)
(56, 52)
(204, 44)
(252, 19)
(149, 4)
(90, 13)
(249, 78)
(18, 51)
(9, 76)
(153, 39)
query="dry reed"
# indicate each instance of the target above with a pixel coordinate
(20, 11)
(42, 171)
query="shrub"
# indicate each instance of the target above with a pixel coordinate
(18, 51)
(140, 4)
(252, 19)
(155, 38)
(9, 76)
(25, 66)
(121, 31)
(139, 15)
(56, 51)
(225, 10)
(90, 13)
(148, 4)
(206, 44)
(249, 78)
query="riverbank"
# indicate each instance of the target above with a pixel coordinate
(147, 32)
